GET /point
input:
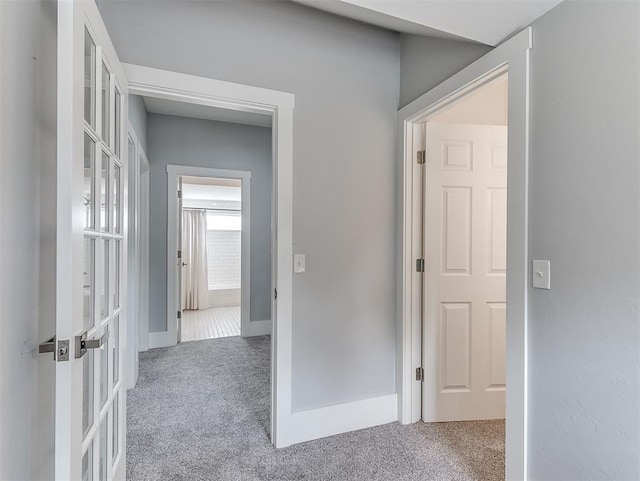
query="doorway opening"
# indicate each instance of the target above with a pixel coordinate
(211, 230)
(461, 238)
(415, 356)
(464, 238)
(234, 99)
(211, 206)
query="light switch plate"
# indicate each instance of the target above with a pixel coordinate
(298, 263)
(541, 273)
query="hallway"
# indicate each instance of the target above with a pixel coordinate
(200, 411)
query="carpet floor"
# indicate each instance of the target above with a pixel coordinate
(200, 411)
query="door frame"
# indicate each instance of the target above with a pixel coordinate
(173, 172)
(511, 57)
(138, 275)
(233, 96)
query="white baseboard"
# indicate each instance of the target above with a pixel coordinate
(341, 418)
(164, 338)
(256, 328)
(224, 297)
(161, 339)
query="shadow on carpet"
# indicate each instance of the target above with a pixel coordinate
(200, 411)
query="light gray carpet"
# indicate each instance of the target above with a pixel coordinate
(200, 411)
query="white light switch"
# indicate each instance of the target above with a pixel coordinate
(298, 263)
(541, 274)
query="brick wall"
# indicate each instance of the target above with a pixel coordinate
(223, 253)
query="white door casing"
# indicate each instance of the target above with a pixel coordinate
(90, 247)
(465, 273)
(144, 243)
(134, 250)
(137, 255)
(180, 262)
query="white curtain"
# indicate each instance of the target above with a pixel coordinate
(195, 285)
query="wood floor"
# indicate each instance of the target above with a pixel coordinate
(210, 323)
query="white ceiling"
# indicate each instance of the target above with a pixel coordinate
(485, 21)
(184, 109)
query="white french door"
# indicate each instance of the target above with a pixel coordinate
(91, 249)
(465, 272)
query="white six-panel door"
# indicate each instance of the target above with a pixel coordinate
(91, 248)
(465, 272)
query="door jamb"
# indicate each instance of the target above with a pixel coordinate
(233, 96)
(511, 56)
(173, 172)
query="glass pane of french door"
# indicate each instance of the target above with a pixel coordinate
(87, 464)
(106, 95)
(89, 78)
(103, 241)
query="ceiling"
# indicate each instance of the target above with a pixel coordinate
(184, 109)
(484, 21)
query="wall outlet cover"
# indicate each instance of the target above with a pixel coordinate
(298, 263)
(541, 273)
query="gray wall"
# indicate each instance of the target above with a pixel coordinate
(345, 76)
(426, 62)
(138, 119)
(584, 334)
(203, 143)
(27, 236)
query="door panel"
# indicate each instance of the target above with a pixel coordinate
(456, 231)
(497, 230)
(456, 346)
(90, 181)
(497, 342)
(465, 270)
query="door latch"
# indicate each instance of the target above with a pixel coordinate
(60, 349)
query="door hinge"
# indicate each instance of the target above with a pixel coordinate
(179, 314)
(421, 156)
(179, 194)
(420, 374)
(60, 349)
(275, 293)
(179, 254)
(419, 265)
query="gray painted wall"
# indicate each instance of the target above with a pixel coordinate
(426, 62)
(204, 143)
(345, 76)
(138, 119)
(27, 236)
(584, 334)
